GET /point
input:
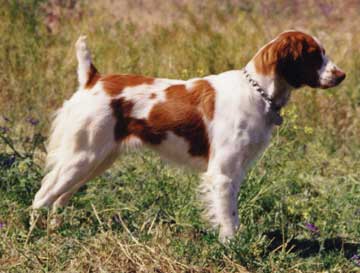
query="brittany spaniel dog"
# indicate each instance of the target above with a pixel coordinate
(217, 124)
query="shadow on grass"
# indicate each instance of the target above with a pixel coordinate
(309, 247)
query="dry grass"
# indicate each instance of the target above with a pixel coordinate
(310, 173)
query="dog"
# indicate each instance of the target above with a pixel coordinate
(217, 124)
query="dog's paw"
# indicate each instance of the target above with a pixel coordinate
(226, 233)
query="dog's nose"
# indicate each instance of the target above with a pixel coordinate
(339, 75)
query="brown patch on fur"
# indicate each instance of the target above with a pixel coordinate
(182, 114)
(201, 95)
(205, 94)
(93, 77)
(163, 118)
(114, 84)
(183, 120)
(127, 126)
(294, 55)
(152, 96)
(121, 110)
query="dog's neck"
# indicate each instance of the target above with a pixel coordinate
(274, 86)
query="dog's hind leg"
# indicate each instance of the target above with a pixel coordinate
(81, 137)
(67, 175)
(65, 197)
(84, 147)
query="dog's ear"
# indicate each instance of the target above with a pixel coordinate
(289, 60)
(299, 58)
(278, 57)
(294, 56)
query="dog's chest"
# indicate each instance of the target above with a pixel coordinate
(253, 131)
(252, 141)
(240, 140)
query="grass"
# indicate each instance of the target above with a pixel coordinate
(300, 205)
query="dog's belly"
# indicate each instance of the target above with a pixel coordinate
(177, 150)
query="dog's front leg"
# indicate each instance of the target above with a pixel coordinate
(219, 192)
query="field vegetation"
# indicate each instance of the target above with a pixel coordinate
(300, 204)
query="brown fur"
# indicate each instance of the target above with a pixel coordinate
(93, 77)
(182, 114)
(206, 97)
(294, 56)
(122, 110)
(201, 95)
(183, 120)
(114, 84)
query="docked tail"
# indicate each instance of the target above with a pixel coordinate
(87, 73)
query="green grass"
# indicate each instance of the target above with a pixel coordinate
(143, 215)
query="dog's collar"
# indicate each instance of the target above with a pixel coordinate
(274, 113)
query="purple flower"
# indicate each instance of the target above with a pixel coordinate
(4, 130)
(312, 228)
(356, 259)
(32, 121)
(9, 161)
(1, 225)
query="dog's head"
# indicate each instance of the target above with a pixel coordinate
(299, 59)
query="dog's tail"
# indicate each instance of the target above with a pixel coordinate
(87, 73)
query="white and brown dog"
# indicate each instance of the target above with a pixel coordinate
(217, 124)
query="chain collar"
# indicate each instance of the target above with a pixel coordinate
(274, 110)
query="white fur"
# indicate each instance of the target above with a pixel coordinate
(84, 60)
(326, 75)
(79, 144)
